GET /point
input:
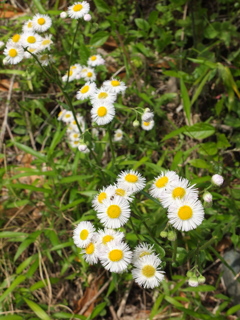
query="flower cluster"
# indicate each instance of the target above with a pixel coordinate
(30, 41)
(107, 245)
(185, 211)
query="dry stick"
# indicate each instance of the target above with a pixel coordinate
(124, 299)
(29, 131)
(95, 297)
(113, 313)
(4, 125)
(11, 136)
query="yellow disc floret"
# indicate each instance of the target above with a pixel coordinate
(93, 58)
(102, 95)
(178, 192)
(89, 74)
(90, 248)
(131, 178)
(84, 234)
(102, 111)
(41, 21)
(46, 42)
(31, 39)
(161, 182)
(115, 255)
(12, 53)
(102, 196)
(185, 213)
(120, 192)
(77, 7)
(115, 83)
(143, 254)
(16, 38)
(85, 89)
(114, 211)
(148, 271)
(107, 239)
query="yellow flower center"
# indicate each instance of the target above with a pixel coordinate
(74, 122)
(46, 42)
(29, 25)
(113, 211)
(120, 192)
(93, 58)
(115, 255)
(148, 271)
(146, 123)
(178, 192)
(60, 113)
(70, 73)
(12, 53)
(89, 74)
(107, 239)
(102, 196)
(102, 111)
(77, 7)
(84, 89)
(41, 21)
(131, 178)
(161, 182)
(84, 234)
(75, 135)
(76, 142)
(185, 213)
(31, 39)
(44, 57)
(145, 253)
(16, 38)
(115, 83)
(73, 67)
(118, 135)
(102, 95)
(67, 115)
(90, 248)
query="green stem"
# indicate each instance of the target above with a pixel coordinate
(174, 254)
(150, 197)
(111, 145)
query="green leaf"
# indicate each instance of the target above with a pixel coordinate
(202, 288)
(13, 285)
(11, 317)
(199, 163)
(232, 310)
(75, 178)
(25, 264)
(175, 133)
(222, 141)
(208, 148)
(65, 315)
(11, 234)
(99, 38)
(199, 131)
(200, 87)
(31, 151)
(39, 6)
(153, 16)
(102, 6)
(29, 187)
(173, 301)
(37, 310)
(186, 100)
(98, 309)
(26, 243)
(17, 72)
(142, 24)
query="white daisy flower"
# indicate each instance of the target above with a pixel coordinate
(108, 235)
(179, 189)
(83, 148)
(102, 95)
(114, 213)
(41, 22)
(14, 53)
(61, 114)
(74, 136)
(27, 53)
(95, 60)
(102, 113)
(44, 59)
(147, 115)
(186, 215)
(31, 40)
(146, 272)
(86, 91)
(114, 86)
(82, 234)
(1, 44)
(120, 191)
(63, 15)
(91, 251)
(147, 125)
(89, 75)
(75, 143)
(67, 117)
(16, 38)
(105, 193)
(73, 124)
(118, 135)
(164, 180)
(28, 26)
(142, 250)
(69, 76)
(46, 43)
(117, 257)
(217, 179)
(131, 181)
(78, 9)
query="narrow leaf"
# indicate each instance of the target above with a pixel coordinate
(37, 310)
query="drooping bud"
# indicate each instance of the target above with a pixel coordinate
(217, 179)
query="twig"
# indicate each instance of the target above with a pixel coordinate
(95, 297)
(29, 131)
(124, 299)
(113, 313)
(4, 125)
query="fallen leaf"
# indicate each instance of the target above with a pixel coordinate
(8, 11)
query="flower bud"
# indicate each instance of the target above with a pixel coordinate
(217, 180)
(201, 279)
(190, 274)
(87, 17)
(172, 235)
(83, 148)
(136, 123)
(193, 281)
(147, 116)
(63, 15)
(207, 197)
(163, 234)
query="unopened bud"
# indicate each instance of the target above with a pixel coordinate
(172, 235)
(63, 15)
(147, 116)
(201, 279)
(163, 234)
(193, 282)
(136, 123)
(217, 180)
(190, 274)
(207, 197)
(87, 17)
